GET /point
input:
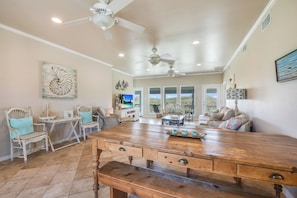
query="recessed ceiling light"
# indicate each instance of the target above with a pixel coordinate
(198, 64)
(56, 20)
(195, 42)
(121, 55)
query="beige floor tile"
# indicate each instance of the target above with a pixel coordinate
(25, 173)
(32, 192)
(9, 195)
(14, 185)
(83, 173)
(68, 166)
(81, 185)
(58, 190)
(86, 194)
(45, 169)
(63, 177)
(40, 180)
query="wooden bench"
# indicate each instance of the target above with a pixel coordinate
(125, 179)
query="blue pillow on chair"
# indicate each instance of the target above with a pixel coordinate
(24, 126)
(86, 116)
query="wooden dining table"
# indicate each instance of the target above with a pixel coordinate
(258, 156)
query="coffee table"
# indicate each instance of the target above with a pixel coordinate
(177, 120)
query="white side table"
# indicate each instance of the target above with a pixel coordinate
(73, 123)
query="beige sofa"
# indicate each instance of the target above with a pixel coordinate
(226, 119)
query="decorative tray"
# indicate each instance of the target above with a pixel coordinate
(191, 133)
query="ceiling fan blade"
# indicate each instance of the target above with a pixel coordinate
(117, 5)
(77, 20)
(129, 25)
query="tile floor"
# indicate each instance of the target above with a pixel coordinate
(67, 173)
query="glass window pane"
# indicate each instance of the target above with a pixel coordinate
(170, 96)
(211, 99)
(187, 98)
(154, 100)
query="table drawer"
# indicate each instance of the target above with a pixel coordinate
(266, 174)
(126, 150)
(185, 161)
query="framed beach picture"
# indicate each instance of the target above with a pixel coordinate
(58, 81)
(286, 67)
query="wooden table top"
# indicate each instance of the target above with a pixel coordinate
(257, 149)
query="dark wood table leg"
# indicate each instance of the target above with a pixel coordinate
(237, 180)
(96, 163)
(278, 189)
(130, 159)
(149, 163)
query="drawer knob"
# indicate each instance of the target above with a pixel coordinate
(122, 149)
(183, 161)
(276, 176)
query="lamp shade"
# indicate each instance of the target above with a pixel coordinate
(239, 94)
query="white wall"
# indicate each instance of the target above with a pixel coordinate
(271, 105)
(21, 58)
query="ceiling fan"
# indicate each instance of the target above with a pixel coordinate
(172, 72)
(104, 15)
(155, 58)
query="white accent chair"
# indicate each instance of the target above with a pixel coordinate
(87, 120)
(22, 132)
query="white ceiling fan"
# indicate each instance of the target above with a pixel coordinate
(155, 58)
(104, 15)
(172, 72)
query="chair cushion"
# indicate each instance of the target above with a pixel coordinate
(23, 125)
(86, 116)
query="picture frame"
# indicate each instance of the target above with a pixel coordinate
(68, 114)
(286, 67)
(58, 81)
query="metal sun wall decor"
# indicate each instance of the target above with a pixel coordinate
(122, 85)
(58, 81)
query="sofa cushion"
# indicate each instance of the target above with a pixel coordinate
(101, 111)
(216, 116)
(229, 113)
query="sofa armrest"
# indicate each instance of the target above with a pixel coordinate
(246, 127)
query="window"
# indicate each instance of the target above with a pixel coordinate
(211, 98)
(170, 96)
(155, 100)
(187, 94)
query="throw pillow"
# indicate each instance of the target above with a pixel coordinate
(216, 116)
(234, 123)
(223, 125)
(24, 126)
(228, 114)
(86, 116)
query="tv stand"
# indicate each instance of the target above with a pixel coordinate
(128, 114)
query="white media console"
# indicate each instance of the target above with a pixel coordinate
(129, 113)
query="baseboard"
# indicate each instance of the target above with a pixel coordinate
(4, 158)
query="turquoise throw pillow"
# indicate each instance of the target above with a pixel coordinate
(24, 126)
(86, 116)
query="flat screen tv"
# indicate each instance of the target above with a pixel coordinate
(127, 100)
